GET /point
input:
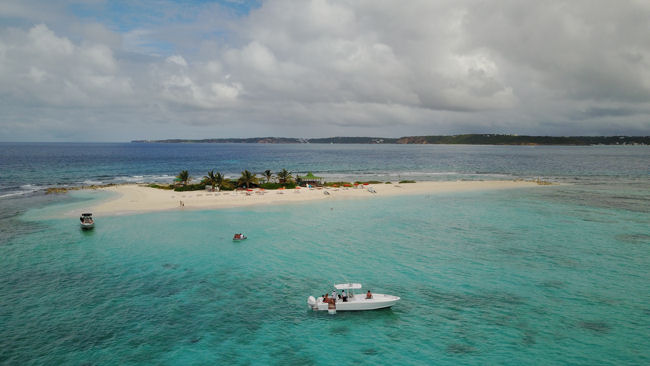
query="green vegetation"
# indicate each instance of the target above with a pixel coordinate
(160, 186)
(284, 177)
(406, 181)
(353, 140)
(190, 187)
(268, 175)
(277, 185)
(184, 177)
(339, 184)
(211, 179)
(247, 178)
(494, 139)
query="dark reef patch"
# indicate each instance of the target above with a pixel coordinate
(595, 326)
(459, 348)
(634, 238)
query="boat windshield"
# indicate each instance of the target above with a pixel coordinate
(348, 286)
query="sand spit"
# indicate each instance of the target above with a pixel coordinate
(133, 198)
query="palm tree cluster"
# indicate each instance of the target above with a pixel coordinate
(247, 179)
(216, 180)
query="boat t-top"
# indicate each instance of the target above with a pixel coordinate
(353, 301)
(239, 237)
(87, 221)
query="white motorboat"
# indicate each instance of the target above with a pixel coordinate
(354, 302)
(86, 221)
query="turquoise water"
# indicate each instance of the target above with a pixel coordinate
(549, 275)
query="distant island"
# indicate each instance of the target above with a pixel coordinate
(468, 139)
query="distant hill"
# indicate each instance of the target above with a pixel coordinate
(468, 139)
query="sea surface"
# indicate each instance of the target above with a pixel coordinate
(555, 274)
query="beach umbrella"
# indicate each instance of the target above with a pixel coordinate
(347, 185)
(249, 190)
(365, 184)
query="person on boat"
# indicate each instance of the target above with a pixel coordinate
(344, 296)
(334, 295)
(326, 298)
(368, 295)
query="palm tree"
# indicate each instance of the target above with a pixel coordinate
(284, 176)
(211, 179)
(268, 174)
(247, 178)
(184, 176)
(221, 181)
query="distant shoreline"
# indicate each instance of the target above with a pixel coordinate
(467, 139)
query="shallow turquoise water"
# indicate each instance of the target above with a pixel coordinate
(513, 277)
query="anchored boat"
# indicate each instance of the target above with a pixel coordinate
(239, 237)
(87, 221)
(353, 302)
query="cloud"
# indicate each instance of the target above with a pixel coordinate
(38, 66)
(200, 85)
(322, 67)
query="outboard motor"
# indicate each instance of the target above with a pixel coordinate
(311, 301)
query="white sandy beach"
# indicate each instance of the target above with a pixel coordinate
(132, 198)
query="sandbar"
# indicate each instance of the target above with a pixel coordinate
(133, 198)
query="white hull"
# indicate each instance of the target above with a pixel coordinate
(86, 226)
(357, 303)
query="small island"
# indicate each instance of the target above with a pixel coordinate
(215, 191)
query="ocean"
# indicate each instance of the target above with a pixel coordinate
(554, 274)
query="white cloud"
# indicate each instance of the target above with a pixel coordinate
(39, 65)
(177, 59)
(375, 67)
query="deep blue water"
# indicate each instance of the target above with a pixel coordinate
(27, 167)
(546, 275)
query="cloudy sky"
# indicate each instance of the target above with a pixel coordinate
(99, 70)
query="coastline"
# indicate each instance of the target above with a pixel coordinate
(133, 198)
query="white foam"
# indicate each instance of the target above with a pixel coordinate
(92, 182)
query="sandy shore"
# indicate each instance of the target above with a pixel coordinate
(132, 198)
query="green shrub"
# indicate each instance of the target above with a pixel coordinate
(340, 184)
(190, 187)
(277, 185)
(370, 182)
(160, 186)
(388, 183)
(406, 181)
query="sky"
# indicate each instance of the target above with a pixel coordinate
(100, 70)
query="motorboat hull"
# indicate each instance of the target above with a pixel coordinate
(357, 303)
(87, 226)
(239, 239)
